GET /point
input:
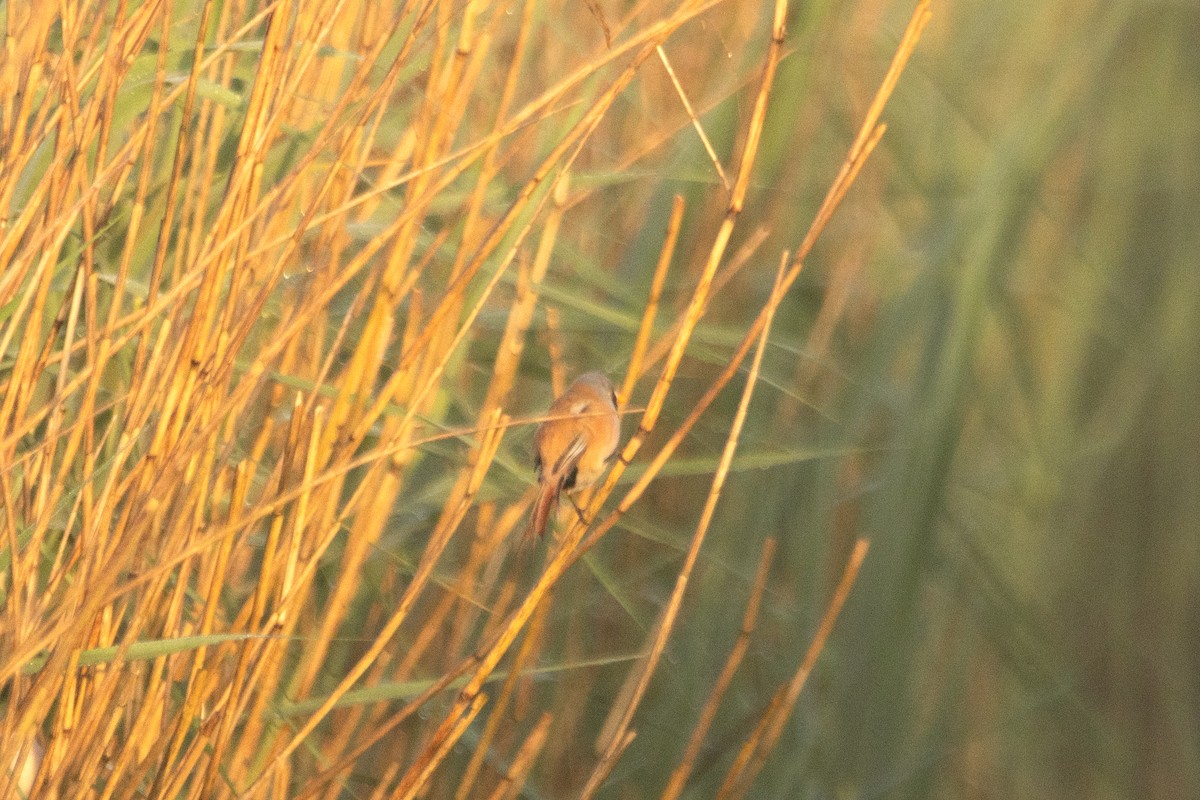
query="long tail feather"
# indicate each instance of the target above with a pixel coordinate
(546, 502)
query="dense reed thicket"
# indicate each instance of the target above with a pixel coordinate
(285, 288)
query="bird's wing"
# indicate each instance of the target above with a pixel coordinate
(570, 457)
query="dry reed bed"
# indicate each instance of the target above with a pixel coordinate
(227, 344)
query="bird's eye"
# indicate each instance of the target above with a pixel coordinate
(613, 395)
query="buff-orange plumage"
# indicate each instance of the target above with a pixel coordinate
(573, 446)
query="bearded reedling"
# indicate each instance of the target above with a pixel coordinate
(573, 447)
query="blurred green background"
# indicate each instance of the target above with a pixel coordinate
(1006, 409)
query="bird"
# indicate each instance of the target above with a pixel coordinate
(573, 446)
